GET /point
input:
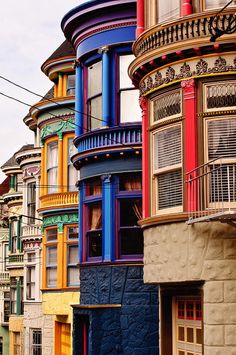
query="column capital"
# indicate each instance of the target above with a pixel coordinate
(103, 49)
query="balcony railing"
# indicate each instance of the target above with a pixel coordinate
(59, 199)
(191, 28)
(15, 259)
(110, 137)
(211, 191)
(30, 231)
(4, 277)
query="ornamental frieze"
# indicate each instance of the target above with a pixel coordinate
(57, 128)
(183, 70)
(61, 219)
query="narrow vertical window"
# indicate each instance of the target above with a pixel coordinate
(51, 257)
(52, 167)
(128, 93)
(6, 300)
(129, 213)
(30, 276)
(70, 88)
(16, 343)
(35, 342)
(72, 257)
(14, 226)
(31, 202)
(94, 98)
(72, 172)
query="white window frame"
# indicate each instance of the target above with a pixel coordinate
(170, 168)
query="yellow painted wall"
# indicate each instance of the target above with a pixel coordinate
(59, 303)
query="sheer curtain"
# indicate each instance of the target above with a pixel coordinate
(52, 167)
(168, 9)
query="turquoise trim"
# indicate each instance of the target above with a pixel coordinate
(57, 128)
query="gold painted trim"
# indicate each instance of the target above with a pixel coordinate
(168, 218)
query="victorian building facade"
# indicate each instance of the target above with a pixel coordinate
(117, 312)
(187, 86)
(58, 202)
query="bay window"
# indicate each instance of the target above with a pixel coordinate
(127, 92)
(52, 167)
(14, 235)
(94, 96)
(168, 10)
(167, 167)
(51, 257)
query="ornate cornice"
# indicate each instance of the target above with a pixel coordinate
(187, 69)
(60, 220)
(57, 128)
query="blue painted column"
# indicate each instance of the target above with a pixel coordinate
(82, 245)
(79, 99)
(105, 87)
(108, 220)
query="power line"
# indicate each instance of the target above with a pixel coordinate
(58, 104)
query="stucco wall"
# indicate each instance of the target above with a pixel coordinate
(202, 251)
(33, 319)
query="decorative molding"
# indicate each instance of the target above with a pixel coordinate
(186, 70)
(61, 219)
(31, 172)
(57, 128)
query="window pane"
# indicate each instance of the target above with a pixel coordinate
(125, 81)
(94, 244)
(94, 187)
(168, 9)
(130, 112)
(216, 4)
(170, 189)
(73, 254)
(52, 167)
(73, 233)
(131, 241)
(130, 212)
(73, 276)
(221, 138)
(70, 85)
(14, 227)
(95, 113)
(51, 235)
(95, 79)
(52, 155)
(130, 182)
(95, 216)
(51, 277)
(51, 256)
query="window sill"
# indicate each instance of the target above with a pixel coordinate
(163, 219)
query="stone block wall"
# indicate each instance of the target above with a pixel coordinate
(204, 252)
(131, 328)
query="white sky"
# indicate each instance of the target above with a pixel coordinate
(29, 33)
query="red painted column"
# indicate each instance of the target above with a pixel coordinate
(186, 7)
(140, 17)
(143, 101)
(190, 140)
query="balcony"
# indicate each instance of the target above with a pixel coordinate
(211, 191)
(65, 199)
(15, 261)
(31, 232)
(193, 30)
(113, 137)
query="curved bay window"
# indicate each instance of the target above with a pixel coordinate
(129, 205)
(94, 96)
(127, 92)
(70, 85)
(52, 167)
(31, 202)
(93, 202)
(72, 256)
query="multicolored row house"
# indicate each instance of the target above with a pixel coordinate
(117, 312)
(185, 70)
